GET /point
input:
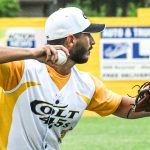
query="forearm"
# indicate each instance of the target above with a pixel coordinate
(125, 109)
(42, 54)
(8, 54)
(135, 115)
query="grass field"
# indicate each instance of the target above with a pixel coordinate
(109, 133)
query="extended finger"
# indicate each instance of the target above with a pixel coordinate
(48, 53)
(54, 54)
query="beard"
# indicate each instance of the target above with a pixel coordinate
(79, 54)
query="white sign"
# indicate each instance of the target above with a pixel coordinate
(25, 37)
(125, 53)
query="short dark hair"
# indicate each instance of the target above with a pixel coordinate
(56, 42)
(61, 41)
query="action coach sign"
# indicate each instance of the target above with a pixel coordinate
(125, 53)
(22, 37)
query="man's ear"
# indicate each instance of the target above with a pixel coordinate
(70, 41)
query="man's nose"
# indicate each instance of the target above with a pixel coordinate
(92, 41)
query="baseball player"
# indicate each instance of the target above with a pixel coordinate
(40, 100)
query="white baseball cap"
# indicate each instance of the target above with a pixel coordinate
(68, 21)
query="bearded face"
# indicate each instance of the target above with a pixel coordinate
(81, 50)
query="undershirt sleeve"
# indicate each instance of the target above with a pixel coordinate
(11, 74)
(104, 102)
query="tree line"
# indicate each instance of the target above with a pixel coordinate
(108, 7)
(11, 8)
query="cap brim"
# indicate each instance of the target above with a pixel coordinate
(93, 28)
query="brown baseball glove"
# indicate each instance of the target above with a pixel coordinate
(142, 102)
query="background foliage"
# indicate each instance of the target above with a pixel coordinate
(9, 8)
(106, 8)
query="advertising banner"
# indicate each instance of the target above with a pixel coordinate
(125, 53)
(22, 37)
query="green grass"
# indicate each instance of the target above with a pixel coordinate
(109, 133)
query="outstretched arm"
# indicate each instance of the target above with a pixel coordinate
(124, 110)
(43, 54)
